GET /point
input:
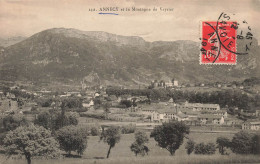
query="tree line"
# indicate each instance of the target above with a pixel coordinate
(225, 98)
(34, 140)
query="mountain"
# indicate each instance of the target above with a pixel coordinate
(70, 55)
(5, 42)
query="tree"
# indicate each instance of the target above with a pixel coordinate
(128, 129)
(139, 147)
(44, 119)
(222, 143)
(202, 148)
(190, 146)
(72, 138)
(11, 122)
(111, 136)
(127, 103)
(170, 135)
(94, 131)
(242, 143)
(107, 109)
(256, 144)
(56, 120)
(31, 141)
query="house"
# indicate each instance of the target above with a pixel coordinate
(157, 116)
(96, 94)
(165, 115)
(211, 119)
(148, 111)
(251, 125)
(200, 107)
(216, 112)
(169, 84)
(181, 116)
(190, 113)
(162, 83)
(171, 100)
(87, 103)
(233, 121)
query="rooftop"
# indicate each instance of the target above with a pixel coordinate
(202, 105)
(210, 116)
(254, 123)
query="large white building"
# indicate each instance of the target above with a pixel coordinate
(199, 106)
(251, 125)
(211, 119)
(166, 115)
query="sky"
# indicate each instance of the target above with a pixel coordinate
(27, 17)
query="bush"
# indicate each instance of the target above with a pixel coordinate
(97, 116)
(190, 146)
(202, 148)
(94, 131)
(127, 103)
(222, 144)
(256, 144)
(128, 129)
(73, 138)
(11, 122)
(2, 136)
(242, 143)
(139, 147)
(45, 102)
(55, 120)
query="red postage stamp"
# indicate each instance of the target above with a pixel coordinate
(218, 42)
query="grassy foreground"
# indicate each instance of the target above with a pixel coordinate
(121, 154)
(192, 159)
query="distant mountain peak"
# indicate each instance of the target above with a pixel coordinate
(100, 36)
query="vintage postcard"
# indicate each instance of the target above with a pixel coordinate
(129, 81)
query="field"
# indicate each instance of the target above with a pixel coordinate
(96, 153)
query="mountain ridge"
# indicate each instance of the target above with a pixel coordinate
(61, 54)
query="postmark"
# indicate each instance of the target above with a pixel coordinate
(219, 40)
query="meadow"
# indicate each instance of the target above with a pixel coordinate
(96, 153)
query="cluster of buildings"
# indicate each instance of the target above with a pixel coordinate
(198, 114)
(192, 113)
(164, 84)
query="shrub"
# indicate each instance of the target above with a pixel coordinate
(127, 103)
(256, 144)
(55, 120)
(96, 115)
(242, 143)
(190, 146)
(94, 131)
(128, 129)
(222, 144)
(11, 122)
(72, 138)
(202, 148)
(139, 147)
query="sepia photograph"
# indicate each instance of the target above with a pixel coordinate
(129, 81)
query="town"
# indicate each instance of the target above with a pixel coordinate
(145, 108)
